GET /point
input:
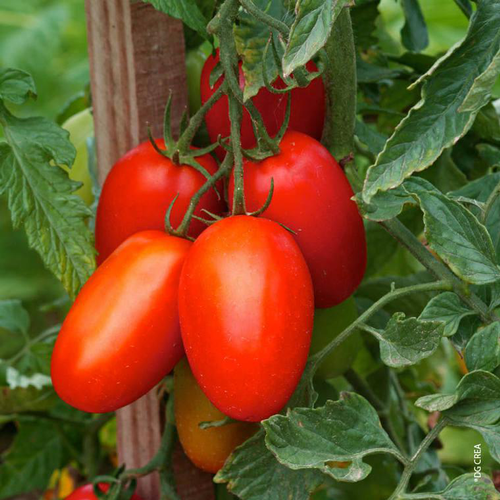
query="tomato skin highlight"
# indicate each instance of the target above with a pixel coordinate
(246, 309)
(209, 448)
(312, 196)
(86, 492)
(307, 113)
(138, 191)
(122, 334)
(328, 325)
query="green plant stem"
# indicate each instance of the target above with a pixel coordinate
(270, 21)
(410, 467)
(401, 233)
(340, 86)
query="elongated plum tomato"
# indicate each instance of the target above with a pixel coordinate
(209, 448)
(138, 191)
(87, 493)
(122, 334)
(246, 311)
(307, 111)
(312, 196)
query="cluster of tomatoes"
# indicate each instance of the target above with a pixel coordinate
(239, 301)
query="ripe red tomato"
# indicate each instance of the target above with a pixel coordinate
(209, 448)
(87, 493)
(246, 309)
(307, 113)
(122, 334)
(312, 196)
(138, 191)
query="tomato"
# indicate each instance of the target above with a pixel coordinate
(208, 449)
(307, 112)
(87, 493)
(122, 334)
(328, 324)
(138, 191)
(312, 196)
(80, 128)
(195, 60)
(246, 309)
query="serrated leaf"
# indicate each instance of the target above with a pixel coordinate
(40, 196)
(447, 308)
(341, 431)
(185, 10)
(310, 31)
(405, 342)
(16, 86)
(253, 473)
(456, 235)
(14, 317)
(483, 350)
(454, 90)
(385, 204)
(414, 33)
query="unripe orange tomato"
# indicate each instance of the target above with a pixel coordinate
(122, 334)
(209, 448)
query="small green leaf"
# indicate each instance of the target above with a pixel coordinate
(483, 350)
(16, 86)
(253, 473)
(14, 317)
(447, 308)
(341, 431)
(310, 31)
(371, 137)
(456, 235)
(436, 402)
(407, 341)
(455, 89)
(468, 486)
(414, 33)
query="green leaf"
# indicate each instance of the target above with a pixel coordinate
(468, 486)
(364, 16)
(16, 86)
(476, 400)
(37, 451)
(370, 136)
(447, 308)
(344, 430)
(40, 199)
(465, 6)
(483, 350)
(185, 10)
(414, 33)
(14, 317)
(456, 235)
(385, 204)
(407, 341)
(454, 90)
(21, 400)
(253, 473)
(310, 31)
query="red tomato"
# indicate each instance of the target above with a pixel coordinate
(122, 334)
(307, 113)
(312, 196)
(87, 493)
(138, 191)
(246, 309)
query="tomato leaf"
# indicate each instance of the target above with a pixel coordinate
(40, 196)
(310, 31)
(454, 90)
(341, 431)
(483, 349)
(364, 16)
(407, 341)
(14, 317)
(253, 473)
(414, 33)
(16, 86)
(447, 308)
(468, 486)
(465, 6)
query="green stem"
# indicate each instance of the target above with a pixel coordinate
(410, 467)
(401, 233)
(270, 21)
(340, 85)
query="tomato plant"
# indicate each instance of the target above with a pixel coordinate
(86, 492)
(209, 448)
(138, 191)
(113, 348)
(327, 224)
(243, 267)
(306, 115)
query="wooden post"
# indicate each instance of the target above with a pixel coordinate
(136, 59)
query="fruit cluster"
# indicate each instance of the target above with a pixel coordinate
(238, 301)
